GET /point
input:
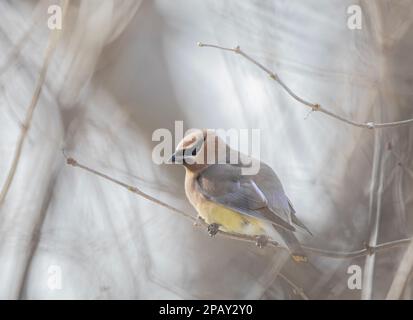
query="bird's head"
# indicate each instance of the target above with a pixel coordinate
(199, 149)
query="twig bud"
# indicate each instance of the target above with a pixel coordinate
(71, 161)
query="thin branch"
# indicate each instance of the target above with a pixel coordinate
(400, 162)
(297, 289)
(400, 206)
(196, 221)
(402, 274)
(53, 39)
(405, 267)
(14, 52)
(251, 239)
(16, 49)
(313, 106)
(375, 203)
(408, 290)
(361, 252)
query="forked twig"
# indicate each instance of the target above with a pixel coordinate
(313, 106)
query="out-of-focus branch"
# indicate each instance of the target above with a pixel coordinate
(14, 52)
(400, 162)
(405, 268)
(297, 289)
(53, 39)
(313, 106)
(367, 250)
(402, 274)
(376, 191)
(198, 222)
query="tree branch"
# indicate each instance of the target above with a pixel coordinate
(53, 39)
(375, 204)
(251, 239)
(402, 274)
(196, 221)
(313, 106)
(297, 289)
(405, 267)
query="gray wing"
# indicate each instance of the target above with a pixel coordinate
(249, 195)
(271, 186)
(278, 201)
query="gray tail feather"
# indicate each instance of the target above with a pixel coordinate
(297, 252)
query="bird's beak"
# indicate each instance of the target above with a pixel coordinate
(177, 157)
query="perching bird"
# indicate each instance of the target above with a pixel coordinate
(228, 200)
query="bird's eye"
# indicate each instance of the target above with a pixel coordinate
(194, 152)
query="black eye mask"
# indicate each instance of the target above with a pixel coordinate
(195, 149)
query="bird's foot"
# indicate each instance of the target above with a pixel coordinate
(213, 229)
(261, 241)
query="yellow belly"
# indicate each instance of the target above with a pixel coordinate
(229, 220)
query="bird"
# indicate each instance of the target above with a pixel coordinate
(228, 200)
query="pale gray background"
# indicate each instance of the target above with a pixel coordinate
(124, 68)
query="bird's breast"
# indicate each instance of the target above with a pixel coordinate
(228, 219)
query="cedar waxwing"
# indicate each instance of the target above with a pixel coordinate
(228, 200)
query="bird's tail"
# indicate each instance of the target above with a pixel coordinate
(297, 252)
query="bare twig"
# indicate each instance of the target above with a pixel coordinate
(313, 106)
(297, 289)
(198, 222)
(405, 267)
(53, 39)
(195, 220)
(402, 201)
(401, 163)
(376, 190)
(402, 274)
(359, 253)
(15, 50)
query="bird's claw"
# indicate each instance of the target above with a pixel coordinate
(213, 229)
(261, 241)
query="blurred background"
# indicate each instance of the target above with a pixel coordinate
(120, 69)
